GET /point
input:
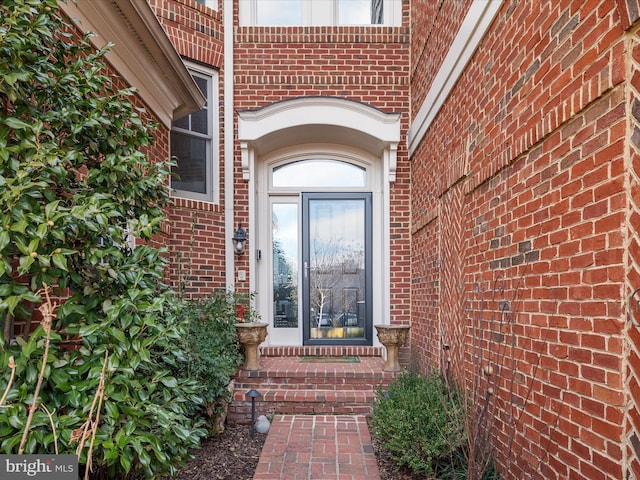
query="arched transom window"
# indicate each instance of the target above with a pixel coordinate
(318, 173)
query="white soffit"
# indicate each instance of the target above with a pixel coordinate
(142, 53)
(474, 26)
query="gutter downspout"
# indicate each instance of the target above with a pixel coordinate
(229, 219)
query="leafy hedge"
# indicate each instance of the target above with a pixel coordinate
(418, 422)
(143, 427)
(213, 354)
(74, 182)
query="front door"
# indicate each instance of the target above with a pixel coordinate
(336, 263)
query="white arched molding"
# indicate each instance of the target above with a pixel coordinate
(319, 119)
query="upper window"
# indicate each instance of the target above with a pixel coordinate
(209, 3)
(320, 12)
(194, 145)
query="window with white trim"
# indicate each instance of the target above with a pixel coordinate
(194, 144)
(321, 12)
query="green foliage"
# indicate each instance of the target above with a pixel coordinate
(213, 350)
(144, 426)
(73, 182)
(72, 177)
(456, 467)
(417, 421)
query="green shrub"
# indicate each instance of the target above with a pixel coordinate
(74, 181)
(418, 422)
(214, 354)
(144, 428)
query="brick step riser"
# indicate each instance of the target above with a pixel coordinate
(316, 376)
(301, 401)
(288, 385)
(240, 412)
(363, 396)
(321, 376)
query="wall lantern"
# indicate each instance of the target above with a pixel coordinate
(239, 238)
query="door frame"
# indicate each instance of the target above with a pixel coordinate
(262, 194)
(291, 128)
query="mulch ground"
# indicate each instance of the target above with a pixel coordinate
(234, 454)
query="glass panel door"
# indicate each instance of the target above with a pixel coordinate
(337, 268)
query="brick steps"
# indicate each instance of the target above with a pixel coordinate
(307, 402)
(290, 386)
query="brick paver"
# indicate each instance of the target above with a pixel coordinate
(318, 447)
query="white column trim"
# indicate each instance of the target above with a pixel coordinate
(474, 26)
(391, 162)
(229, 199)
(246, 155)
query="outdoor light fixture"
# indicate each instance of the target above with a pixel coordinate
(239, 238)
(253, 394)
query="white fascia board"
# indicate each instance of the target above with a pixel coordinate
(474, 26)
(253, 125)
(142, 53)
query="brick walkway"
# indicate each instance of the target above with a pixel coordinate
(318, 447)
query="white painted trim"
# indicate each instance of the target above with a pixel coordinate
(212, 194)
(142, 53)
(382, 128)
(229, 203)
(473, 28)
(381, 134)
(384, 301)
(323, 12)
(266, 195)
(212, 4)
(338, 112)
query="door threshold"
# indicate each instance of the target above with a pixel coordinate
(324, 350)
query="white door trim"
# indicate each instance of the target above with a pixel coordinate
(329, 124)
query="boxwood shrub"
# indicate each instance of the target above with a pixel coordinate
(418, 422)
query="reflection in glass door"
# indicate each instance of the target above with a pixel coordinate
(284, 225)
(337, 268)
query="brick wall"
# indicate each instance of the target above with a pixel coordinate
(366, 64)
(432, 31)
(633, 266)
(519, 229)
(195, 230)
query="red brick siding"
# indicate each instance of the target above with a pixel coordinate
(432, 31)
(366, 64)
(519, 195)
(425, 287)
(195, 230)
(633, 267)
(629, 11)
(271, 64)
